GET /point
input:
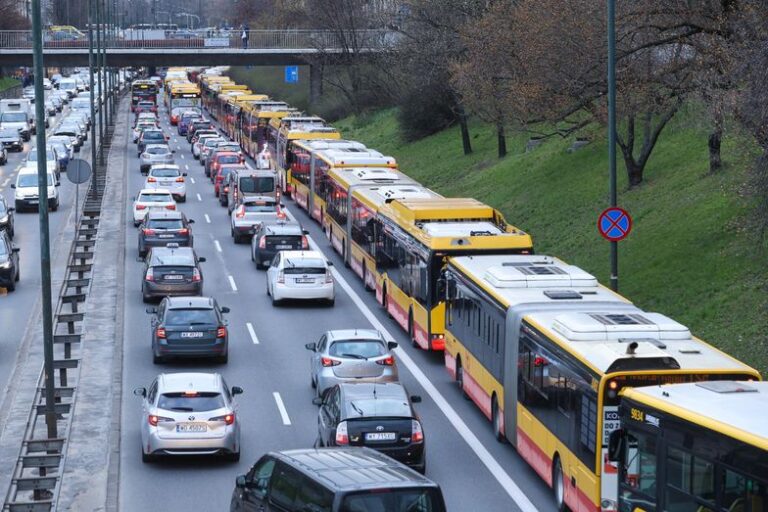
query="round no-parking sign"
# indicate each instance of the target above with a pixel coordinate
(614, 224)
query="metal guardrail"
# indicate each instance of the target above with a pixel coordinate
(11, 93)
(328, 40)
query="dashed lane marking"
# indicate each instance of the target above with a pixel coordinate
(252, 332)
(207, 218)
(217, 244)
(232, 283)
(281, 408)
(199, 198)
(192, 180)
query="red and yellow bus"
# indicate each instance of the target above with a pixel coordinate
(233, 115)
(299, 157)
(184, 96)
(254, 123)
(208, 85)
(143, 90)
(284, 132)
(544, 351)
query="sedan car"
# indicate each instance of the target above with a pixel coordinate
(302, 275)
(189, 327)
(171, 270)
(161, 227)
(11, 139)
(151, 199)
(150, 137)
(207, 147)
(269, 238)
(169, 177)
(197, 145)
(6, 217)
(250, 213)
(9, 262)
(189, 414)
(219, 158)
(351, 355)
(198, 124)
(155, 154)
(376, 415)
(140, 127)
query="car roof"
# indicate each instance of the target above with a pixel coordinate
(166, 146)
(165, 166)
(189, 381)
(352, 468)
(158, 252)
(190, 302)
(303, 254)
(354, 334)
(155, 191)
(283, 228)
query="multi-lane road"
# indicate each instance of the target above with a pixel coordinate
(268, 359)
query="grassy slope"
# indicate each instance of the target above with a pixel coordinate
(7, 83)
(687, 256)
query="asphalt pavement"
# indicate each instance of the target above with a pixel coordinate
(268, 359)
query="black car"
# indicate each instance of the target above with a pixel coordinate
(6, 217)
(171, 270)
(3, 155)
(203, 124)
(150, 137)
(379, 416)
(189, 327)
(11, 140)
(161, 227)
(270, 238)
(9, 262)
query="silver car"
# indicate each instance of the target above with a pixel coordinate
(189, 414)
(155, 154)
(169, 177)
(351, 355)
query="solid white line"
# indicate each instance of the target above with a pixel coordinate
(186, 167)
(192, 180)
(506, 481)
(199, 198)
(281, 407)
(207, 218)
(254, 338)
(232, 283)
(217, 244)
(182, 156)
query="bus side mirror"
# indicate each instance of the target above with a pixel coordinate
(616, 442)
(447, 288)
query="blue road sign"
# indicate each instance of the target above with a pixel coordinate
(614, 224)
(291, 74)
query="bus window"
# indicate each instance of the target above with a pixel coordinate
(690, 482)
(362, 225)
(639, 471)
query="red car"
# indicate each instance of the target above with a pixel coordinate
(145, 106)
(222, 158)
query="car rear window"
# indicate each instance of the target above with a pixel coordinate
(164, 172)
(180, 259)
(257, 185)
(391, 500)
(155, 198)
(361, 348)
(165, 224)
(153, 135)
(259, 207)
(184, 402)
(180, 317)
(157, 151)
(229, 159)
(304, 266)
(381, 407)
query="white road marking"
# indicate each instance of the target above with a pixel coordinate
(192, 180)
(7, 181)
(176, 140)
(281, 407)
(217, 244)
(199, 198)
(232, 283)
(506, 481)
(186, 167)
(207, 218)
(252, 332)
(182, 156)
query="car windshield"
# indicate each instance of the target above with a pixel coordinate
(357, 348)
(13, 117)
(304, 266)
(381, 407)
(257, 185)
(229, 159)
(155, 198)
(165, 224)
(153, 135)
(9, 134)
(180, 317)
(30, 180)
(190, 401)
(164, 172)
(401, 500)
(33, 155)
(157, 150)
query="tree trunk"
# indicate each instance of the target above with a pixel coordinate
(465, 142)
(634, 171)
(715, 140)
(502, 140)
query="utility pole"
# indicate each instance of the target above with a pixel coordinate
(612, 133)
(91, 65)
(42, 210)
(100, 67)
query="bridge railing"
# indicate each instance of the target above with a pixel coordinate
(256, 40)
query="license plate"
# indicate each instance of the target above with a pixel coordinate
(33, 201)
(186, 428)
(302, 280)
(166, 183)
(279, 247)
(173, 277)
(380, 436)
(165, 236)
(196, 334)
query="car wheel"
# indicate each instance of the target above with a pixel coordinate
(314, 382)
(223, 359)
(18, 275)
(496, 418)
(55, 206)
(11, 285)
(237, 238)
(460, 379)
(146, 298)
(330, 302)
(147, 457)
(558, 486)
(156, 359)
(233, 457)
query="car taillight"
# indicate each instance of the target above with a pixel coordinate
(221, 332)
(327, 362)
(160, 333)
(183, 231)
(154, 420)
(170, 207)
(240, 212)
(263, 242)
(226, 190)
(328, 276)
(281, 214)
(229, 419)
(196, 275)
(304, 242)
(150, 275)
(140, 207)
(387, 361)
(281, 277)
(148, 232)
(342, 435)
(417, 435)
(180, 179)
(151, 180)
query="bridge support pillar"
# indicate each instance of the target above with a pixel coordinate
(315, 83)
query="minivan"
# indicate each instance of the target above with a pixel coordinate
(250, 183)
(319, 479)
(26, 196)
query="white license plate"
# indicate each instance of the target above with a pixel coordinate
(33, 201)
(173, 277)
(380, 436)
(302, 280)
(165, 236)
(166, 183)
(280, 247)
(186, 428)
(195, 334)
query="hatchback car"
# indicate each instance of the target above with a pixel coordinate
(140, 127)
(351, 355)
(185, 119)
(150, 137)
(161, 227)
(151, 199)
(148, 117)
(189, 414)
(9, 262)
(250, 213)
(73, 133)
(217, 159)
(376, 415)
(221, 182)
(155, 154)
(198, 124)
(300, 275)
(206, 148)
(169, 177)
(6, 217)
(171, 270)
(269, 238)
(197, 145)
(145, 106)
(189, 327)
(11, 139)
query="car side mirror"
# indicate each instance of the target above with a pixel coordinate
(391, 345)
(311, 346)
(142, 392)
(190, 221)
(151, 310)
(416, 399)
(282, 205)
(225, 309)
(330, 263)
(15, 249)
(237, 390)
(317, 400)
(201, 259)
(173, 151)
(13, 185)
(616, 442)
(183, 174)
(305, 231)
(58, 183)
(11, 209)
(240, 482)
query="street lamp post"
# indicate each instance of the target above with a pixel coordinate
(612, 133)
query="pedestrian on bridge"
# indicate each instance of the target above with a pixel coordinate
(244, 36)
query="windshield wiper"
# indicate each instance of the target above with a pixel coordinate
(357, 409)
(354, 356)
(182, 409)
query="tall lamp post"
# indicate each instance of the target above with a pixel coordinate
(612, 133)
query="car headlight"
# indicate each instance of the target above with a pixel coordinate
(3, 220)
(5, 264)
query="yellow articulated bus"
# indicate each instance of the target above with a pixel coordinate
(292, 128)
(353, 197)
(225, 101)
(254, 122)
(207, 84)
(234, 117)
(299, 157)
(696, 446)
(544, 351)
(221, 92)
(184, 96)
(413, 238)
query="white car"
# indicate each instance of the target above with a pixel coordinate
(207, 147)
(198, 146)
(168, 177)
(26, 192)
(151, 199)
(304, 275)
(47, 84)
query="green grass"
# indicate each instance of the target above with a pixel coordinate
(688, 255)
(271, 80)
(7, 83)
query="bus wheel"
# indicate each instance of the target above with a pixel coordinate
(411, 330)
(385, 301)
(460, 379)
(365, 278)
(558, 486)
(496, 415)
